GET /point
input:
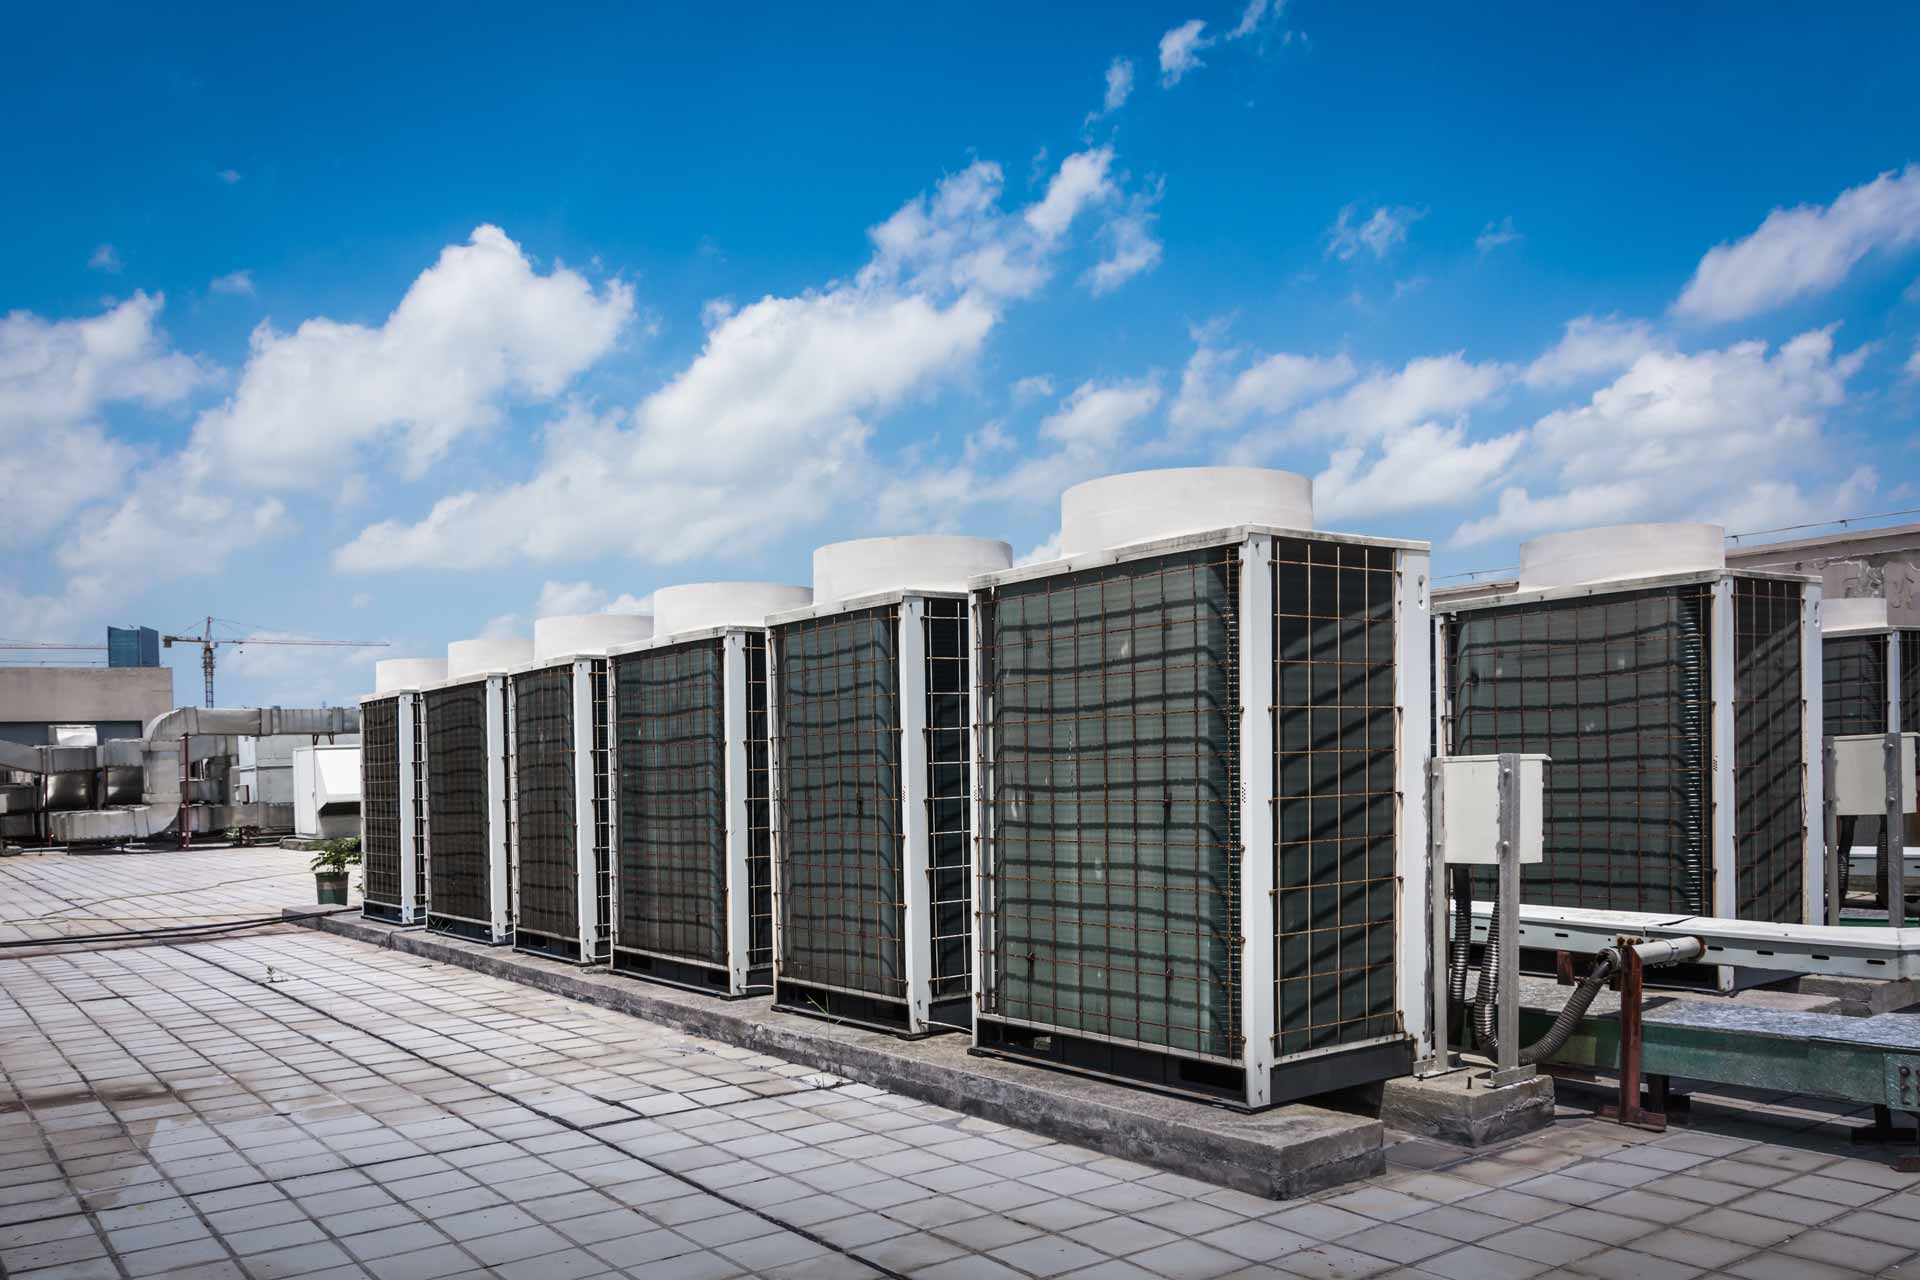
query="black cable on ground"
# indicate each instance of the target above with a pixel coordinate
(172, 932)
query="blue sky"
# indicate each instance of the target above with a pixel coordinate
(398, 323)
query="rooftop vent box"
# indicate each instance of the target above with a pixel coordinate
(872, 775)
(1678, 703)
(693, 841)
(468, 797)
(1202, 799)
(559, 734)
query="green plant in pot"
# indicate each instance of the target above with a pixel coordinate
(330, 867)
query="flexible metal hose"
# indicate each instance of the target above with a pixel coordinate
(1486, 994)
(1461, 942)
(1604, 964)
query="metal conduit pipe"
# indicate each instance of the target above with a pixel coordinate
(1461, 941)
(1652, 954)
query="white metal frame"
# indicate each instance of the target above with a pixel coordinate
(586, 869)
(1413, 694)
(502, 810)
(412, 911)
(1813, 717)
(1724, 857)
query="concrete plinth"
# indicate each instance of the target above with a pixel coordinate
(1281, 1153)
(1460, 1108)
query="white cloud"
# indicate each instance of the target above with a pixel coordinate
(478, 326)
(1180, 51)
(1495, 234)
(361, 599)
(1251, 17)
(1913, 361)
(1384, 230)
(1214, 397)
(1080, 181)
(235, 282)
(1097, 415)
(584, 597)
(1131, 249)
(1805, 250)
(1035, 387)
(1590, 346)
(228, 176)
(1387, 401)
(105, 258)
(1119, 88)
(1422, 466)
(55, 380)
(1724, 434)
(714, 311)
(502, 626)
(768, 428)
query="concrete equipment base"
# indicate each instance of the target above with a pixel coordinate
(1461, 1108)
(1281, 1153)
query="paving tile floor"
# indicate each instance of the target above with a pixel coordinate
(293, 1104)
(46, 895)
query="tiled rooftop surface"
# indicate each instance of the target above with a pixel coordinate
(295, 1104)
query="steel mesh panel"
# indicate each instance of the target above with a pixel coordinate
(380, 800)
(842, 901)
(1768, 776)
(1615, 689)
(1114, 731)
(597, 680)
(416, 771)
(1334, 732)
(949, 797)
(673, 827)
(1853, 673)
(759, 808)
(459, 874)
(549, 878)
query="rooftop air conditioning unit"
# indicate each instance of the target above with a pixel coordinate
(693, 841)
(467, 789)
(393, 805)
(872, 853)
(1203, 738)
(559, 718)
(1871, 679)
(1679, 702)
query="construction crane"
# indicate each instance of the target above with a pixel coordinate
(208, 642)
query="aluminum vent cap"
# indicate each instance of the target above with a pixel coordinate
(396, 675)
(470, 657)
(588, 633)
(1853, 613)
(698, 606)
(930, 562)
(1139, 506)
(1615, 552)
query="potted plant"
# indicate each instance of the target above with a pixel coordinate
(329, 868)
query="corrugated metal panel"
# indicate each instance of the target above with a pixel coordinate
(759, 809)
(547, 873)
(1615, 689)
(841, 894)
(1115, 802)
(1334, 733)
(459, 871)
(673, 828)
(949, 798)
(380, 784)
(1768, 752)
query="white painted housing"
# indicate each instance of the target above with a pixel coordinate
(566, 634)
(924, 562)
(1139, 506)
(1854, 614)
(394, 675)
(466, 658)
(701, 606)
(1614, 552)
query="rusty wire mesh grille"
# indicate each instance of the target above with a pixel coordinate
(598, 674)
(1335, 734)
(673, 857)
(949, 797)
(416, 771)
(842, 900)
(1769, 781)
(548, 871)
(1854, 679)
(459, 874)
(759, 809)
(1113, 724)
(380, 800)
(1616, 689)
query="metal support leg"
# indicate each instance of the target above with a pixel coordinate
(1507, 1026)
(1837, 854)
(1892, 837)
(1629, 1110)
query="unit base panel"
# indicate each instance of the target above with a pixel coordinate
(455, 927)
(689, 975)
(875, 1012)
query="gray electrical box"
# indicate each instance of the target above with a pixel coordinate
(1860, 774)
